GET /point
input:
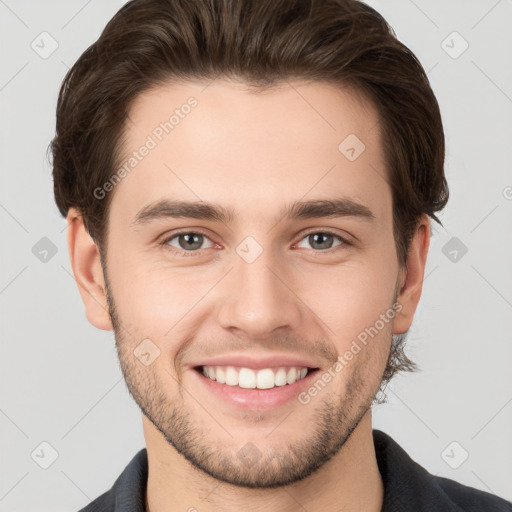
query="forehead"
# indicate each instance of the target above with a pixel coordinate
(222, 143)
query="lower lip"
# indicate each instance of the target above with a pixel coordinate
(256, 399)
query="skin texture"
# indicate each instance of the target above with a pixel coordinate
(254, 153)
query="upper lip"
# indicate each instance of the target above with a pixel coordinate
(257, 363)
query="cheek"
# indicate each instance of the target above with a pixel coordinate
(351, 296)
(151, 299)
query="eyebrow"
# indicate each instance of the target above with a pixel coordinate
(168, 208)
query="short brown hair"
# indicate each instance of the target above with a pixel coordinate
(261, 43)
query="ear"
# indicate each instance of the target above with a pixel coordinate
(411, 277)
(86, 265)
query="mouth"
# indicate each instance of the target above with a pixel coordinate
(255, 389)
(249, 378)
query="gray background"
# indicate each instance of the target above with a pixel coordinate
(60, 379)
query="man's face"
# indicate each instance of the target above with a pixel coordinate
(252, 296)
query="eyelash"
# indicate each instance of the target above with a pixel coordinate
(178, 252)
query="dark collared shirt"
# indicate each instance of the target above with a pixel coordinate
(408, 487)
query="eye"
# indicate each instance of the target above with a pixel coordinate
(190, 243)
(323, 240)
(187, 241)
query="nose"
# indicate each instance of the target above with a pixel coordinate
(257, 298)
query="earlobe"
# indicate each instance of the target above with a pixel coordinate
(86, 265)
(411, 278)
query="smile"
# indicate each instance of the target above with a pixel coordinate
(256, 389)
(247, 378)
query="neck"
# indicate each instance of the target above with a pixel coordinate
(348, 481)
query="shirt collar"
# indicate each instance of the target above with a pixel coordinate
(407, 485)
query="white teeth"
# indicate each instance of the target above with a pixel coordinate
(292, 376)
(248, 378)
(231, 376)
(265, 379)
(280, 378)
(220, 376)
